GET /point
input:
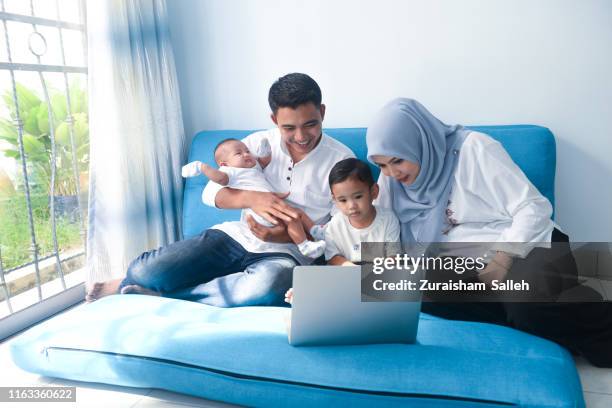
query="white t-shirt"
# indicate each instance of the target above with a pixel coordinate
(341, 238)
(491, 200)
(306, 182)
(252, 178)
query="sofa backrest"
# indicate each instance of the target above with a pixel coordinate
(531, 147)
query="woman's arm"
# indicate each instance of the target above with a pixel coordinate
(488, 177)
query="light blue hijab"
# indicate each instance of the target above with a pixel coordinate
(405, 129)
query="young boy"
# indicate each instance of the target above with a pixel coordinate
(353, 190)
(240, 169)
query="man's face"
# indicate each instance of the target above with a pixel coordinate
(300, 128)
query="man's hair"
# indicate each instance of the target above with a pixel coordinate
(294, 90)
(351, 168)
(220, 144)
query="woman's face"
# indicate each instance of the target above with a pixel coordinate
(402, 170)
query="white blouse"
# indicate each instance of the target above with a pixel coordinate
(491, 200)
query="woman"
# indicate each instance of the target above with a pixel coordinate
(450, 184)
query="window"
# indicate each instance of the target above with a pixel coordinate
(44, 150)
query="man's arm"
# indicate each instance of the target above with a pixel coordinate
(270, 206)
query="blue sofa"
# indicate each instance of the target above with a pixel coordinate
(241, 355)
(531, 147)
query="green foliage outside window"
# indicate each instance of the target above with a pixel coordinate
(34, 113)
(15, 238)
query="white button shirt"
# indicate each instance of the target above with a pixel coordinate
(305, 181)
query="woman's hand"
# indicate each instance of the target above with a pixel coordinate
(277, 234)
(272, 206)
(496, 269)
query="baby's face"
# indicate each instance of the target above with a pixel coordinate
(235, 154)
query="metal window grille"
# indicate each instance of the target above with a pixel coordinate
(37, 44)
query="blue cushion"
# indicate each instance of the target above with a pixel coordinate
(531, 147)
(241, 356)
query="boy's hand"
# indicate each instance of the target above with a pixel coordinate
(289, 296)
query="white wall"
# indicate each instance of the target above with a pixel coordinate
(545, 62)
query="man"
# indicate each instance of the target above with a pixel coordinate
(233, 264)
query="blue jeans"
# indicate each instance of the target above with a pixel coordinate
(214, 269)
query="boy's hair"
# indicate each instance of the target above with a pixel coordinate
(220, 144)
(348, 168)
(294, 90)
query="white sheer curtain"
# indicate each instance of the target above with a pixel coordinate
(136, 134)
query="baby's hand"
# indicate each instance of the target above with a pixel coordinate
(192, 169)
(289, 296)
(264, 149)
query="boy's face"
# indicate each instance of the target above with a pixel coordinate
(235, 154)
(300, 128)
(354, 199)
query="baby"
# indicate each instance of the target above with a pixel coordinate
(353, 190)
(240, 169)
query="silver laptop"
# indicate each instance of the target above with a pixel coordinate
(327, 308)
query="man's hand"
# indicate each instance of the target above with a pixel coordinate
(272, 207)
(277, 234)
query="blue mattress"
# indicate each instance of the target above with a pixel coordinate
(241, 356)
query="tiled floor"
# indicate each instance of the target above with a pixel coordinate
(596, 383)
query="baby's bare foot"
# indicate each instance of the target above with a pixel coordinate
(100, 289)
(139, 290)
